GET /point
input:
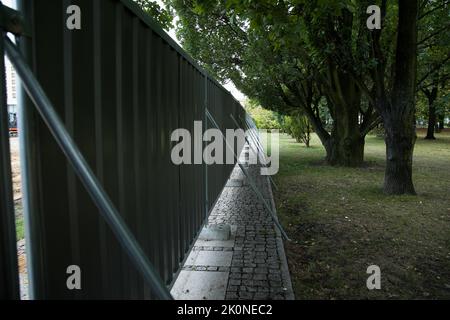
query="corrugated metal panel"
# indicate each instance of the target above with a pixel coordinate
(122, 86)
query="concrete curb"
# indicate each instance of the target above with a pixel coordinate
(286, 276)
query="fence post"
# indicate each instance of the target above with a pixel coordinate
(205, 128)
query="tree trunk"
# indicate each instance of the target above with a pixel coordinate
(398, 113)
(431, 123)
(308, 135)
(431, 96)
(441, 122)
(346, 147)
(399, 155)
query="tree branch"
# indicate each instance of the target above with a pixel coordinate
(366, 128)
(434, 9)
(433, 70)
(444, 28)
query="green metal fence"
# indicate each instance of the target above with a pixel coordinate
(120, 86)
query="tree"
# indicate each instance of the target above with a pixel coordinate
(264, 119)
(163, 16)
(390, 85)
(434, 59)
(272, 53)
(291, 55)
(298, 127)
(396, 104)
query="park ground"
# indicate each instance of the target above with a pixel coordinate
(17, 193)
(341, 223)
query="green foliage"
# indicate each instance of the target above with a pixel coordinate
(314, 57)
(278, 52)
(163, 16)
(434, 59)
(267, 48)
(298, 127)
(264, 119)
(20, 228)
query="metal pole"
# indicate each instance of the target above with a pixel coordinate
(250, 180)
(82, 169)
(257, 141)
(256, 136)
(205, 120)
(250, 144)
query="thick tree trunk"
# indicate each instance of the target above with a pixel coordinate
(398, 113)
(346, 144)
(399, 155)
(346, 147)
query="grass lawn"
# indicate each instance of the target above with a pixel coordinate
(341, 223)
(20, 228)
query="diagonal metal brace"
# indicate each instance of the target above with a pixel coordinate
(12, 21)
(258, 152)
(252, 128)
(258, 145)
(74, 156)
(256, 139)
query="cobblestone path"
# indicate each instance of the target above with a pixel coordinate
(250, 266)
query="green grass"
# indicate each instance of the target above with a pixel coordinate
(20, 229)
(341, 223)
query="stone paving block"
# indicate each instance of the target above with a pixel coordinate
(261, 296)
(210, 258)
(233, 183)
(246, 296)
(195, 285)
(232, 296)
(259, 276)
(216, 232)
(236, 275)
(235, 282)
(211, 244)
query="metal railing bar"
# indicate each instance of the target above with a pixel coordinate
(257, 152)
(253, 129)
(250, 180)
(84, 172)
(255, 136)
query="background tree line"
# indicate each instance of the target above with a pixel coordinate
(298, 57)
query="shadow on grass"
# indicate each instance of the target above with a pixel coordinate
(342, 222)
